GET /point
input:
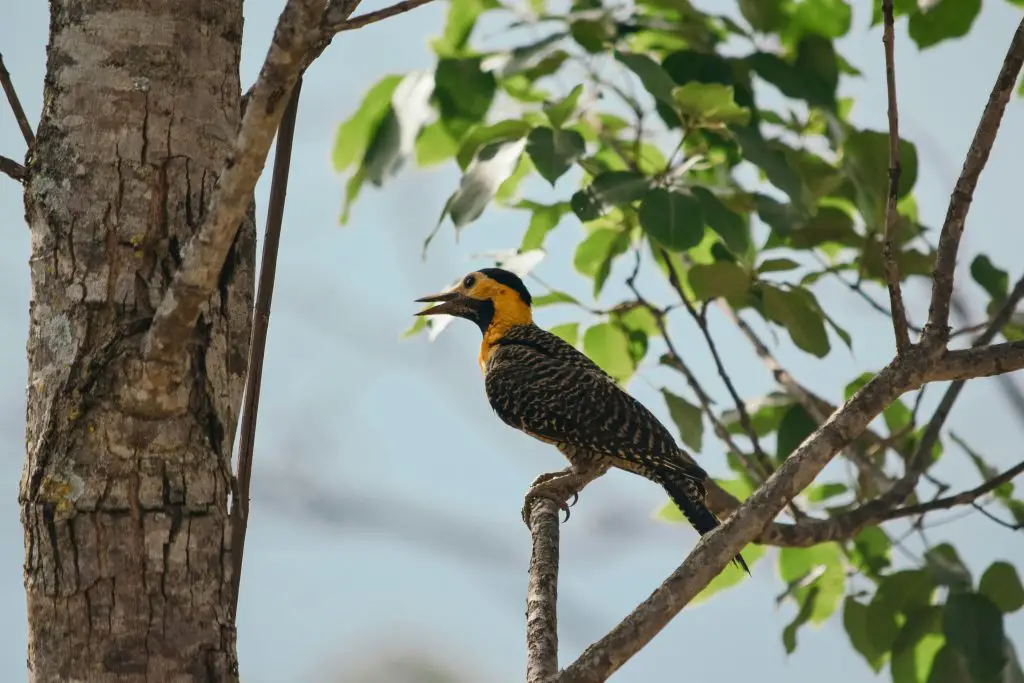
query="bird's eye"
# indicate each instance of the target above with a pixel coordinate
(468, 281)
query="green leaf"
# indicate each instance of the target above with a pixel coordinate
(710, 103)
(352, 188)
(796, 425)
(797, 311)
(395, 138)
(1002, 586)
(855, 621)
(554, 151)
(672, 218)
(720, 279)
(553, 297)
(434, 145)
(828, 18)
(502, 131)
(492, 166)
(463, 92)
(943, 20)
(801, 618)
(819, 568)
(730, 226)
(873, 548)
(654, 78)
(906, 590)
(688, 418)
(974, 626)
(569, 332)
(866, 163)
(545, 218)
(462, 16)
(354, 133)
(595, 254)
(949, 666)
(948, 569)
(916, 645)
(987, 472)
(993, 280)
(640, 319)
(882, 625)
(560, 112)
(775, 265)
(822, 492)
(610, 189)
(607, 345)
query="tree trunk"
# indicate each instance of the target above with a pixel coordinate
(124, 492)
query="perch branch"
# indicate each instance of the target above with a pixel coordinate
(12, 168)
(892, 269)
(258, 346)
(542, 593)
(12, 98)
(937, 329)
(298, 30)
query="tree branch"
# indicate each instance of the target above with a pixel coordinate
(542, 593)
(997, 359)
(962, 498)
(298, 30)
(336, 22)
(12, 168)
(715, 549)
(892, 269)
(12, 98)
(258, 347)
(937, 329)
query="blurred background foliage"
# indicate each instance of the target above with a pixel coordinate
(715, 167)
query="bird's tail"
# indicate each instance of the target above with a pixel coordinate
(689, 498)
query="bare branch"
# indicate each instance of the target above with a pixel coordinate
(298, 30)
(12, 98)
(937, 329)
(338, 22)
(12, 168)
(892, 269)
(997, 359)
(963, 498)
(542, 593)
(258, 347)
(715, 549)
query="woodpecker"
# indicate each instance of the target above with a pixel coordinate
(542, 386)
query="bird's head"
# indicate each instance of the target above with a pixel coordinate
(485, 296)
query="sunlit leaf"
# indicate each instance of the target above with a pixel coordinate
(720, 279)
(355, 133)
(607, 345)
(567, 331)
(710, 103)
(797, 311)
(502, 131)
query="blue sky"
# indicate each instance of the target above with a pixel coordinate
(386, 499)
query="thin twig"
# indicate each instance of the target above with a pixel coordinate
(12, 98)
(702, 323)
(12, 168)
(962, 498)
(298, 30)
(260, 325)
(373, 17)
(937, 329)
(892, 269)
(542, 593)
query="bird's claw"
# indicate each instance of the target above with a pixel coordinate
(553, 496)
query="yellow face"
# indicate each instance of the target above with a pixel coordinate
(492, 298)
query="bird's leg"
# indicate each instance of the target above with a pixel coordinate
(562, 485)
(556, 487)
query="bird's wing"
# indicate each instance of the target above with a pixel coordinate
(541, 389)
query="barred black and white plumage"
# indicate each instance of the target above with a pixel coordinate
(541, 385)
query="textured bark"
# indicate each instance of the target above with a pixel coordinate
(124, 492)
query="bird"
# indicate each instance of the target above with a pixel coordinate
(544, 387)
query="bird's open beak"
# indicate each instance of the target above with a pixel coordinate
(451, 303)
